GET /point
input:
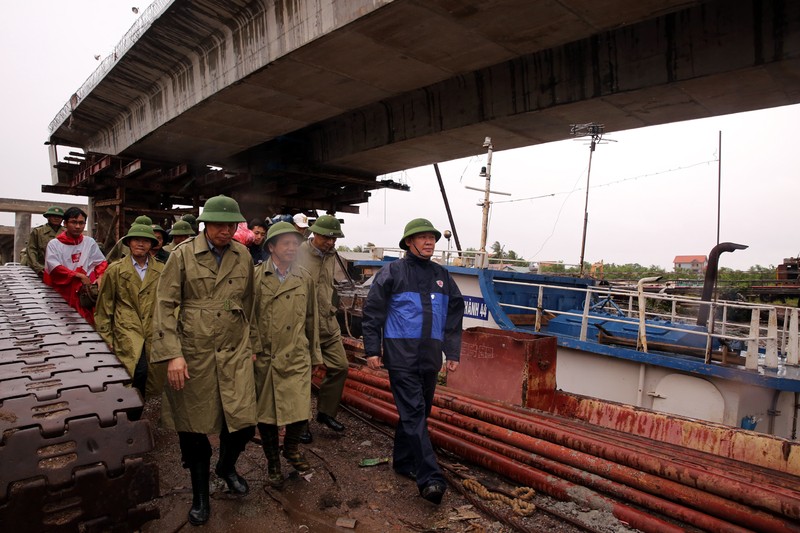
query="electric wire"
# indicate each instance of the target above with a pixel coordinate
(632, 178)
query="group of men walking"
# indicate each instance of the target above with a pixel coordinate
(237, 344)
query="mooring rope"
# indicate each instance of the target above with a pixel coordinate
(520, 503)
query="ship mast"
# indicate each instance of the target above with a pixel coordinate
(595, 132)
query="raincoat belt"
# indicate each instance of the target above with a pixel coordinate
(223, 305)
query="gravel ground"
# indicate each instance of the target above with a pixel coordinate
(376, 498)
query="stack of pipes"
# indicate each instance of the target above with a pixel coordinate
(650, 485)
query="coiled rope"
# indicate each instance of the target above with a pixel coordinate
(520, 503)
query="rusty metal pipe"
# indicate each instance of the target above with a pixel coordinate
(541, 481)
(715, 482)
(590, 471)
(710, 480)
(640, 444)
(592, 481)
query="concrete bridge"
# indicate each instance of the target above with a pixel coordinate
(14, 239)
(302, 103)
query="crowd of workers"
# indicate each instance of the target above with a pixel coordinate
(228, 324)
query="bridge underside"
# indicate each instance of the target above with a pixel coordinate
(304, 115)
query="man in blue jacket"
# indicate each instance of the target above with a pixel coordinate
(414, 309)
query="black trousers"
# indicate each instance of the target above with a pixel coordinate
(196, 448)
(413, 451)
(139, 382)
(140, 374)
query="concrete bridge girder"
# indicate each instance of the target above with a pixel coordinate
(209, 79)
(293, 92)
(708, 60)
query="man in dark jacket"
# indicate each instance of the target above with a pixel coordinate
(414, 309)
(259, 250)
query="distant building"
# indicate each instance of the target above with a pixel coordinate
(790, 269)
(693, 263)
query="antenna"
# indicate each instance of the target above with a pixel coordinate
(595, 132)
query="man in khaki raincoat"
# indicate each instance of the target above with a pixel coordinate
(179, 232)
(286, 340)
(124, 312)
(120, 250)
(40, 237)
(210, 370)
(318, 256)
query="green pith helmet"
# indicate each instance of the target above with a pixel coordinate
(280, 228)
(143, 219)
(157, 227)
(418, 225)
(181, 227)
(327, 226)
(140, 230)
(191, 219)
(222, 209)
(53, 211)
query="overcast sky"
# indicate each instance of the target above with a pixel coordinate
(653, 194)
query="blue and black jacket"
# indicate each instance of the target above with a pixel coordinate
(414, 309)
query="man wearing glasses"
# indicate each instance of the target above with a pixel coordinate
(74, 264)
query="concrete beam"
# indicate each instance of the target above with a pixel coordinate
(711, 59)
(14, 205)
(209, 79)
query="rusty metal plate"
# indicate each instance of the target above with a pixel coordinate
(48, 389)
(93, 503)
(51, 416)
(28, 454)
(30, 341)
(512, 367)
(37, 354)
(54, 365)
(70, 460)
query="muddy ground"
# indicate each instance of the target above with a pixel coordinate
(361, 499)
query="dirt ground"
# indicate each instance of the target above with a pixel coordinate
(338, 489)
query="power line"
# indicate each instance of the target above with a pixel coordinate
(560, 210)
(632, 178)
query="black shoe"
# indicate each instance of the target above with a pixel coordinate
(433, 492)
(407, 473)
(329, 421)
(226, 470)
(236, 483)
(306, 437)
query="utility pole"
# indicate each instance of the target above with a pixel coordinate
(487, 171)
(595, 131)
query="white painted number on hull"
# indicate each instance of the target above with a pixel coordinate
(475, 308)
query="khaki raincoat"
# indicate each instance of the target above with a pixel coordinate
(321, 267)
(211, 333)
(124, 314)
(286, 338)
(37, 245)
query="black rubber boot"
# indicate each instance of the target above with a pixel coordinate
(201, 504)
(270, 444)
(306, 437)
(291, 447)
(226, 470)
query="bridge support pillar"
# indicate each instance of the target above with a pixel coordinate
(22, 225)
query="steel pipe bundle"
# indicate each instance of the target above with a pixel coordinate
(549, 454)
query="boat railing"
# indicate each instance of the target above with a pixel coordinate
(469, 258)
(674, 312)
